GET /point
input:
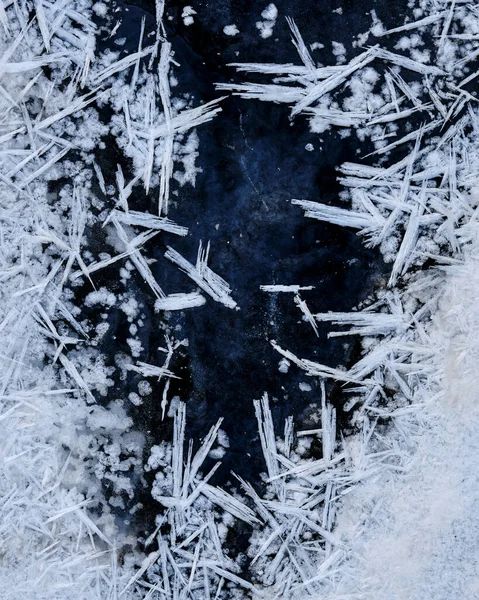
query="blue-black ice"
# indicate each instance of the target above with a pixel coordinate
(252, 163)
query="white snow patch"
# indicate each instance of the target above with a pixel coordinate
(269, 14)
(100, 9)
(187, 15)
(231, 30)
(339, 52)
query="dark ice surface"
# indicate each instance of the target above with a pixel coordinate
(253, 162)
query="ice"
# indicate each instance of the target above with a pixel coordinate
(284, 69)
(45, 167)
(211, 283)
(122, 64)
(132, 250)
(335, 80)
(266, 92)
(266, 432)
(367, 513)
(307, 315)
(195, 542)
(167, 157)
(415, 24)
(75, 106)
(180, 301)
(136, 71)
(300, 45)
(368, 220)
(151, 370)
(289, 289)
(366, 322)
(149, 221)
(42, 24)
(299, 493)
(187, 15)
(447, 24)
(147, 562)
(407, 63)
(407, 245)
(4, 19)
(187, 119)
(312, 368)
(230, 504)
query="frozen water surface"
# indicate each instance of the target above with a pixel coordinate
(238, 302)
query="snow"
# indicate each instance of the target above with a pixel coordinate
(339, 52)
(269, 14)
(231, 30)
(100, 8)
(187, 15)
(407, 547)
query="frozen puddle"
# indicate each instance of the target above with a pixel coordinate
(386, 508)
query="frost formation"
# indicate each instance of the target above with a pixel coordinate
(375, 515)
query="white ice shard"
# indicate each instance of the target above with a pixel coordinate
(211, 283)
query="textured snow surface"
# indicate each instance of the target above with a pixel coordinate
(422, 540)
(389, 511)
